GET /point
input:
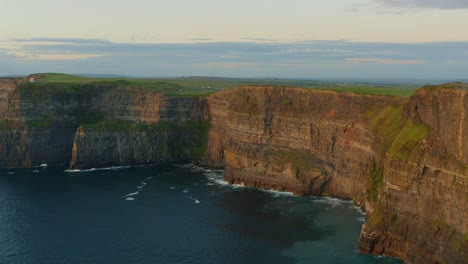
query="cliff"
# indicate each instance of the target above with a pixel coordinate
(404, 161)
(421, 214)
(97, 124)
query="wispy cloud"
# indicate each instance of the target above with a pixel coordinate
(260, 39)
(200, 39)
(382, 61)
(226, 64)
(63, 56)
(437, 4)
(61, 40)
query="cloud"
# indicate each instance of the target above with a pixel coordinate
(200, 39)
(64, 56)
(227, 64)
(62, 40)
(260, 39)
(322, 58)
(382, 61)
(434, 4)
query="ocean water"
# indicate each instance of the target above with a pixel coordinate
(167, 214)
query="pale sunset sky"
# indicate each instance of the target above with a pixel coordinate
(255, 38)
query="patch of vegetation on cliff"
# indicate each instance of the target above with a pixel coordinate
(288, 102)
(44, 122)
(41, 89)
(373, 89)
(406, 143)
(455, 239)
(376, 217)
(191, 137)
(375, 182)
(386, 123)
(449, 160)
(118, 125)
(168, 87)
(245, 104)
(445, 86)
(7, 124)
(299, 160)
(396, 137)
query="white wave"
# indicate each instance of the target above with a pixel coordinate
(357, 209)
(192, 167)
(279, 193)
(195, 200)
(72, 171)
(11, 172)
(132, 194)
(172, 188)
(185, 191)
(332, 201)
(216, 176)
(236, 186)
(43, 165)
(145, 179)
(35, 171)
(129, 198)
(100, 169)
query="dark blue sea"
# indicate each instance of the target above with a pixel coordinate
(167, 214)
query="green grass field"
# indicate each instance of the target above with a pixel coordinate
(202, 86)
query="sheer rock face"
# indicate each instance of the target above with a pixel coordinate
(403, 160)
(422, 214)
(46, 124)
(308, 142)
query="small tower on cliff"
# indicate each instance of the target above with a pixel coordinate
(31, 80)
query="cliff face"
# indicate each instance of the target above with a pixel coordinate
(142, 127)
(97, 125)
(403, 160)
(308, 142)
(422, 212)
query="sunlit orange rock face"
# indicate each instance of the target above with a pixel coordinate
(403, 160)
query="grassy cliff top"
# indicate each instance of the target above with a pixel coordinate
(202, 86)
(445, 86)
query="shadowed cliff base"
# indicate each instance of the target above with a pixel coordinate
(402, 159)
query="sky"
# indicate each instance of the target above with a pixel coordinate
(242, 38)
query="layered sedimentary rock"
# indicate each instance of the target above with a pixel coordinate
(422, 212)
(404, 161)
(97, 124)
(308, 142)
